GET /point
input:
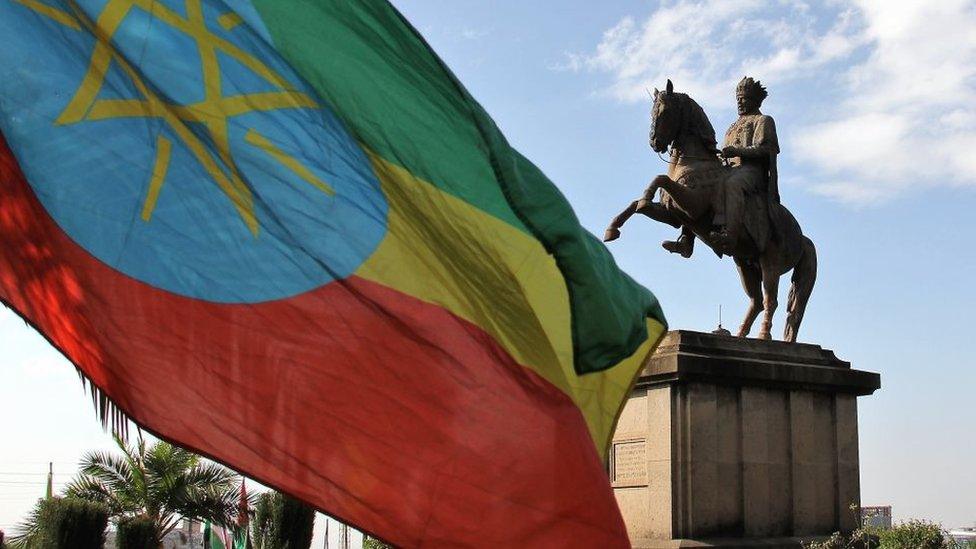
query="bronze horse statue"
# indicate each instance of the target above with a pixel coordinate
(694, 182)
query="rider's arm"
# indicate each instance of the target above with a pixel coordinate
(764, 142)
(767, 140)
(755, 152)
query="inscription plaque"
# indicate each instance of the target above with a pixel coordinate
(630, 463)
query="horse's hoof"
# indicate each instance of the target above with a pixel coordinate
(611, 234)
(764, 335)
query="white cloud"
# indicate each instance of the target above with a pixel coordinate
(860, 144)
(707, 46)
(899, 111)
(908, 112)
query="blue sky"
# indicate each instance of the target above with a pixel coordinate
(875, 103)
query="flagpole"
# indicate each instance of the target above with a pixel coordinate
(50, 480)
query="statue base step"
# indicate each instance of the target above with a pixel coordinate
(731, 442)
(726, 543)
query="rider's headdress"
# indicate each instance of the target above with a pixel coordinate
(751, 88)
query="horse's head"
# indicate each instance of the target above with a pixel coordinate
(674, 114)
(665, 119)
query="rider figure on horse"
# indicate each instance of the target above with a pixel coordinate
(733, 208)
(751, 147)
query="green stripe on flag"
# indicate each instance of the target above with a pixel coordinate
(401, 101)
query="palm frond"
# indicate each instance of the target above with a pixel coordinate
(91, 489)
(27, 531)
(216, 505)
(164, 459)
(112, 417)
(112, 471)
(212, 474)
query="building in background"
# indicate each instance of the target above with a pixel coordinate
(962, 536)
(878, 517)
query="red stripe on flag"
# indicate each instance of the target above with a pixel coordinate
(384, 411)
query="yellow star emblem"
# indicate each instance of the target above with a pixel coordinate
(213, 112)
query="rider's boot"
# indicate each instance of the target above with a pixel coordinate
(685, 245)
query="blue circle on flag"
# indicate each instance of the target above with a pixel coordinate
(205, 167)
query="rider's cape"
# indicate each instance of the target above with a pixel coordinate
(762, 216)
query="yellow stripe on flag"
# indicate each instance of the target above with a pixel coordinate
(262, 142)
(442, 250)
(230, 20)
(160, 167)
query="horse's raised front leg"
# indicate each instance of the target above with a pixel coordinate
(645, 205)
(687, 199)
(654, 210)
(613, 231)
(770, 282)
(751, 278)
(651, 190)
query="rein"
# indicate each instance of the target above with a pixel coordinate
(725, 161)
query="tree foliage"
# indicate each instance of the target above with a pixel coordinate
(373, 543)
(137, 532)
(161, 483)
(281, 522)
(914, 534)
(63, 523)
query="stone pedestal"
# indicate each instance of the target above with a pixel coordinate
(735, 442)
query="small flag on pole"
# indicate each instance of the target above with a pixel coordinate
(212, 537)
(241, 534)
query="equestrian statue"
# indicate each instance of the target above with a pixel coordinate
(728, 199)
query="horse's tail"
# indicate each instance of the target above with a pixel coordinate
(804, 276)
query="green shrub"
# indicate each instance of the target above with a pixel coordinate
(281, 522)
(136, 533)
(373, 543)
(859, 539)
(64, 523)
(915, 534)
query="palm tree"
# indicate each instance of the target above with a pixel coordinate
(163, 483)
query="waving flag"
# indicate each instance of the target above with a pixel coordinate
(282, 234)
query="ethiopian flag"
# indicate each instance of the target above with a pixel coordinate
(282, 234)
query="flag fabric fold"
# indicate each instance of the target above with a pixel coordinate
(283, 234)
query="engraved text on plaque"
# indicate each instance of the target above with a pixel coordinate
(630, 463)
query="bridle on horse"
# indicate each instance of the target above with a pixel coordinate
(725, 161)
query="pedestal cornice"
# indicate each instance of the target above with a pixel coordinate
(686, 356)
